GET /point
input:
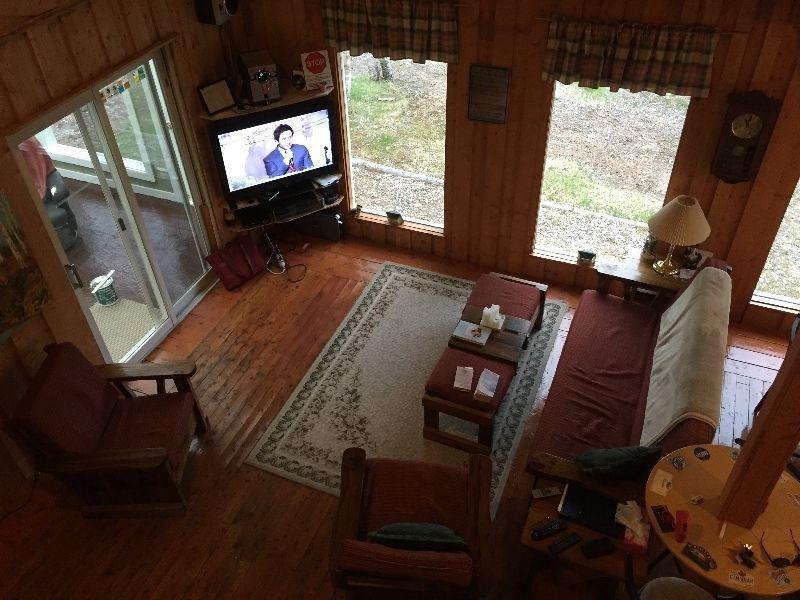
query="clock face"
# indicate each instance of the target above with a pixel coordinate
(746, 126)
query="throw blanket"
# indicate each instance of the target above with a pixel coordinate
(689, 357)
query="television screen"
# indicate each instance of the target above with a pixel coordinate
(278, 149)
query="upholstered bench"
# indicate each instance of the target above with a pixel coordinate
(520, 300)
(441, 397)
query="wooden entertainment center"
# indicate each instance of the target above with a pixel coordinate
(294, 200)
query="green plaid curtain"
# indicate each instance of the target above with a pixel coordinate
(654, 58)
(417, 29)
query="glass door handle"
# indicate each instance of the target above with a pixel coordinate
(75, 278)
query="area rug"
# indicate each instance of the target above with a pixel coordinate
(365, 387)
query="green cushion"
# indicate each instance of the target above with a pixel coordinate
(619, 463)
(418, 536)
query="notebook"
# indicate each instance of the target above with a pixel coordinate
(472, 332)
(590, 509)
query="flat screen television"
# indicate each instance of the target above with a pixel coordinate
(274, 148)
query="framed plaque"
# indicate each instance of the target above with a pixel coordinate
(488, 93)
(216, 96)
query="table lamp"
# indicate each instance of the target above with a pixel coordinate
(680, 222)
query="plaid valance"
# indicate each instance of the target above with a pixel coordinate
(654, 58)
(417, 29)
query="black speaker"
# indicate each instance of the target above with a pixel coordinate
(215, 12)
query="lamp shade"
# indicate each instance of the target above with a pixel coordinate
(680, 222)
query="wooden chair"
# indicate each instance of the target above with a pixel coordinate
(378, 492)
(122, 454)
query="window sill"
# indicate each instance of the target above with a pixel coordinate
(774, 302)
(407, 225)
(557, 256)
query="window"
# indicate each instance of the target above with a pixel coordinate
(780, 280)
(396, 130)
(608, 164)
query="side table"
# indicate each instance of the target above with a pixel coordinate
(554, 471)
(635, 273)
(700, 472)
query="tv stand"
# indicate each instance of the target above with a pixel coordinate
(282, 206)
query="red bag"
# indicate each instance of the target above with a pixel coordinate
(237, 262)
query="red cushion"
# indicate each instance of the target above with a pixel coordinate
(440, 382)
(157, 421)
(602, 377)
(515, 299)
(68, 405)
(404, 491)
(367, 558)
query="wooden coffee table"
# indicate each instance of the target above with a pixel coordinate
(506, 345)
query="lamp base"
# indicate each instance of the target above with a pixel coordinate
(666, 267)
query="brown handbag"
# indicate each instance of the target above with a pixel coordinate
(238, 262)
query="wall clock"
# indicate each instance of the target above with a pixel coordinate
(745, 134)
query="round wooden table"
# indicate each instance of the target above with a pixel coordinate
(698, 472)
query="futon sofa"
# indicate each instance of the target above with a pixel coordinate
(600, 388)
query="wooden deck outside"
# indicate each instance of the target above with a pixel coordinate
(248, 533)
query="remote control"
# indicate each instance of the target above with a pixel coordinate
(597, 548)
(545, 492)
(547, 528)
(565, 541)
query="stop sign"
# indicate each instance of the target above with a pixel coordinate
(315, 62)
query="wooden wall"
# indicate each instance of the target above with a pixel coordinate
(50, 50)
(491, 196)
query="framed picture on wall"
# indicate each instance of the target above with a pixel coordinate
(216, 96)
(488, 93)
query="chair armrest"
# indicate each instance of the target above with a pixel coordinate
(108, 460)
(140, 371)
(348, 513)
(482, 537)
(561, 469)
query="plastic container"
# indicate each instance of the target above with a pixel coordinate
(105, 295)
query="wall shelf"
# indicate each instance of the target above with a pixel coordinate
(289, 96)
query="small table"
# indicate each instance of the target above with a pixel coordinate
(611, 565)
(506, 345)
(706, 478)
(635, 273)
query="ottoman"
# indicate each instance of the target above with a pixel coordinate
(522, 301)
(441, 397)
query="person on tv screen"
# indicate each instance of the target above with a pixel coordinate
(287, 157)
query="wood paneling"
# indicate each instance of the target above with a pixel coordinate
(493, 172)
(49, 51)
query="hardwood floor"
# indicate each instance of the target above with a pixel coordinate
(248, 533)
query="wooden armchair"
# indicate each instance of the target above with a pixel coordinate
(378, 492)
(121, 453)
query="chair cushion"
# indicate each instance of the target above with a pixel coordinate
(440, 382)
(418, 536)
(366, 558)
(414, 491)
(515, 299)
(68, 404)
(157, 421)
(602, 377)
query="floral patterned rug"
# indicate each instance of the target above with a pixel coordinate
(365, 387)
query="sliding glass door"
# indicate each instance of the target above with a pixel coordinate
(108, 172)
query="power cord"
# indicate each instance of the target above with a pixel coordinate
(284, 268)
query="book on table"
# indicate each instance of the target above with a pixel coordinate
(471, 332)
